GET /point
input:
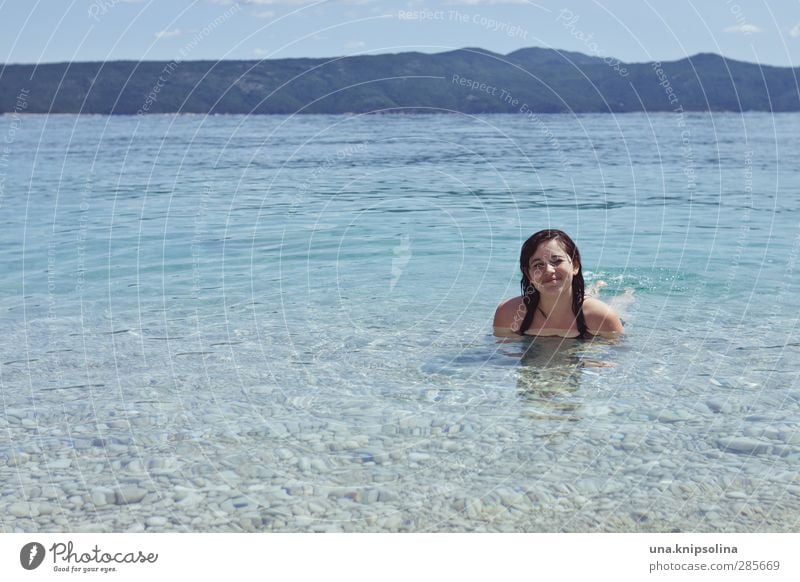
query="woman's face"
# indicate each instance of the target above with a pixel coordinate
(551, 269)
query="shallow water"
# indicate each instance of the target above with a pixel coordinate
(283, 324)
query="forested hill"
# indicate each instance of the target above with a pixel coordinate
(465, 80)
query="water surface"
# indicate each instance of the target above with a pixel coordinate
(284, 324)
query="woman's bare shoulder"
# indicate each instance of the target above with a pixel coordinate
(509, 315)
(601, 317)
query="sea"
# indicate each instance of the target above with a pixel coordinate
(284, 323)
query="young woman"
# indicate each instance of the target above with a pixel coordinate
(552, 301)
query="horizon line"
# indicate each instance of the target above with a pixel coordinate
(476, 50)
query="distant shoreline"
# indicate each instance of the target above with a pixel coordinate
(529, 81)
(383, 113)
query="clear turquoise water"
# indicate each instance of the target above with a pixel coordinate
(287, 321)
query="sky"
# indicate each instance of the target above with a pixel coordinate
(41, 31)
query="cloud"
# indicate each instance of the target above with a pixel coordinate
(355, 45)
(265, 14)
(743, 29)
(168, 33)
(794, 32)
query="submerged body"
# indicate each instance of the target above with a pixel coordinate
(601, 320)
(553, 302)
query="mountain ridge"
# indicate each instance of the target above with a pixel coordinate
(469, 80)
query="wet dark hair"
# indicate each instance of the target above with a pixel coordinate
(530, 296)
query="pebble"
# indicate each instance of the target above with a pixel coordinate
(156, 521)
(668, 416)
(22, 509)
(450, 446)
(783, 450)
(474, 507)
(388, 496)
(378, 456)
(743, 445)
(316, 508)
(17, 459)
(91, 528)
(511, 498)
(390, 522)
(719, 405)
(128, 495)
(99, 498)
(190, 500)
(60, 464)
(319, 466)
(771, 433)
(790, 437)
(156, 463)
(369, 496)
(51, 492)
(237, 505)
(416, 457)
(32, 490)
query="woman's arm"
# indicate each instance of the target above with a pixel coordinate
(601, 319)
(508, 317)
